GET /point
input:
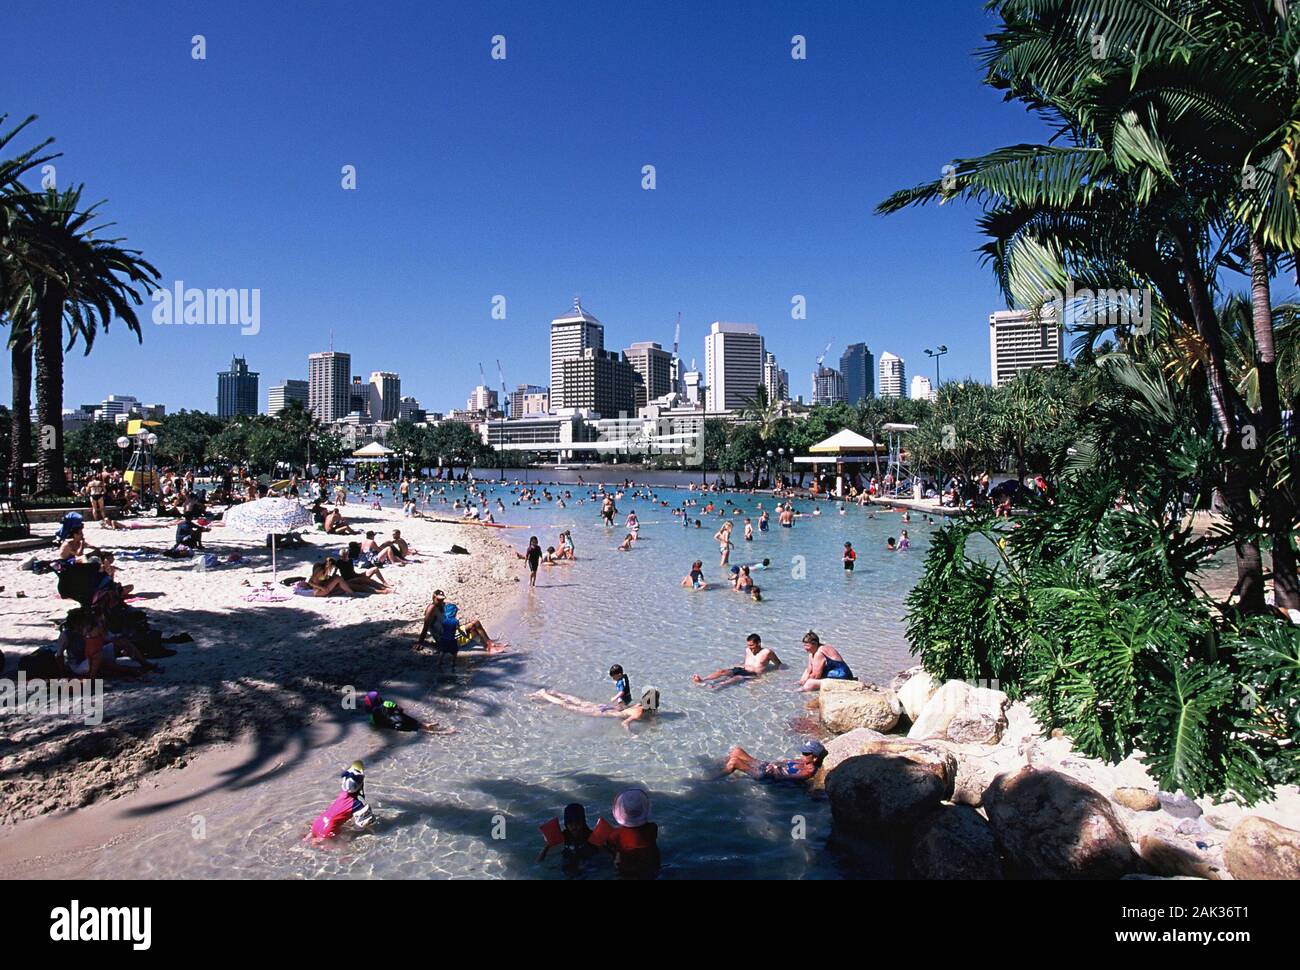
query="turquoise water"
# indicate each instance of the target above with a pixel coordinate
(469, 804)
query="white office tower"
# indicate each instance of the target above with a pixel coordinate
(892, 377)
(1020, 340)
(571, 334)
(922, 389)
(733, 365)
(775, 379)
(329, 385)
(279, 396)
(482, 398)
(655, 365)
(694, 388)
(385, 396)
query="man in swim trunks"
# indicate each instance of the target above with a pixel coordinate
(758, 659)
(811, 756)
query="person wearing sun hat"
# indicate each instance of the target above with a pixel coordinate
(811, 756)
(635, 843)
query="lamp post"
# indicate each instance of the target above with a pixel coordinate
(936, 354)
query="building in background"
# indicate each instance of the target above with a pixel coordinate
(1020, 340)
(733, 365)
(655, 365)
(892, 375)
(329, 391)
(828, 386)
(409, 410)
(694, 387)
(776, 380)
(859, 369)
(236, 390)
(571, 335)
(600, 381)
(385, 392)
(359, 397)
(529, 400)
(483, 399)
(279, 397)
(922, 389)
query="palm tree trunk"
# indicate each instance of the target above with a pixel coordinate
(50, 476)
(1235, 473)
(1280, 501)
(20, 420)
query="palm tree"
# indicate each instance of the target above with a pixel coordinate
(17, 257)
(89, 282)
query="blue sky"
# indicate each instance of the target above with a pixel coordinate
(521, 177)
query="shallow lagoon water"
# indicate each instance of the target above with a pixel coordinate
(468, 804)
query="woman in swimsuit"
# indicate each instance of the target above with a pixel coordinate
(824, 663)
(642, 710)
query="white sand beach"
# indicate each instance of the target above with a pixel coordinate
(255, 671)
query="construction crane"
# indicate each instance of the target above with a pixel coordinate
(676, 366)
(505, 395)
(823, 356)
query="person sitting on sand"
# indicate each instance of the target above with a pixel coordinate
(642, 710)
(372, 579)
(802, 768)
(824, 663)
(758, 659)
(326, 581)
(450, 635)
(336, 525)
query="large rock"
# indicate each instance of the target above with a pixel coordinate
(846, 705)
(1260, 849)
(840, 749)
(1053, 827)
(962, 713)
(1166, 857)
(977, 766)
(954, 843)
(894, 784)
(915, 692)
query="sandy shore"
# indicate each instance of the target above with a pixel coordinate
(256, 670)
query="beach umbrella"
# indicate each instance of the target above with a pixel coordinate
(273, 515)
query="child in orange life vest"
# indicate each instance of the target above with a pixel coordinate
(634, 842)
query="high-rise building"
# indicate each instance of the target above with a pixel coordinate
(694, 387)
(116, 404)
(655, 365)
(859, 369)
(776, 380)
(483, 398)
(571, 334)
(828, 386)
(733, 365)
(329, 393)
(601, 381)
(922, 389)
(527, 400)
(236, 390)
(892, 375)
(409, 410)
(1020, 340)
(359, 397)
(385, 403)
(279, 396)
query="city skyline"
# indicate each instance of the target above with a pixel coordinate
(796, 134)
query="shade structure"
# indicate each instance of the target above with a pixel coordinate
(273, 515)
(844, 442)
(373, 450)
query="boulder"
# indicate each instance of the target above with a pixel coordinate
(841, 749)
(916, 692)
(1051, 826)
(1166, 857)
(962, 713)
(977, 766)
(1137, 799)
(954, 842)
(846, 705)
(893, 785)
(1260, 849)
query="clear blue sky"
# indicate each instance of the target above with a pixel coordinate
(521, 177)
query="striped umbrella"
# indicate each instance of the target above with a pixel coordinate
(273, 515)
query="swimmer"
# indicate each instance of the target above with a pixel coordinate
(389, 716)
(849, 557)
(695, 578)
(758, 659)
(824, 663)
(903, 541)
(811, 756)
(643, 710)
(891, 545)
